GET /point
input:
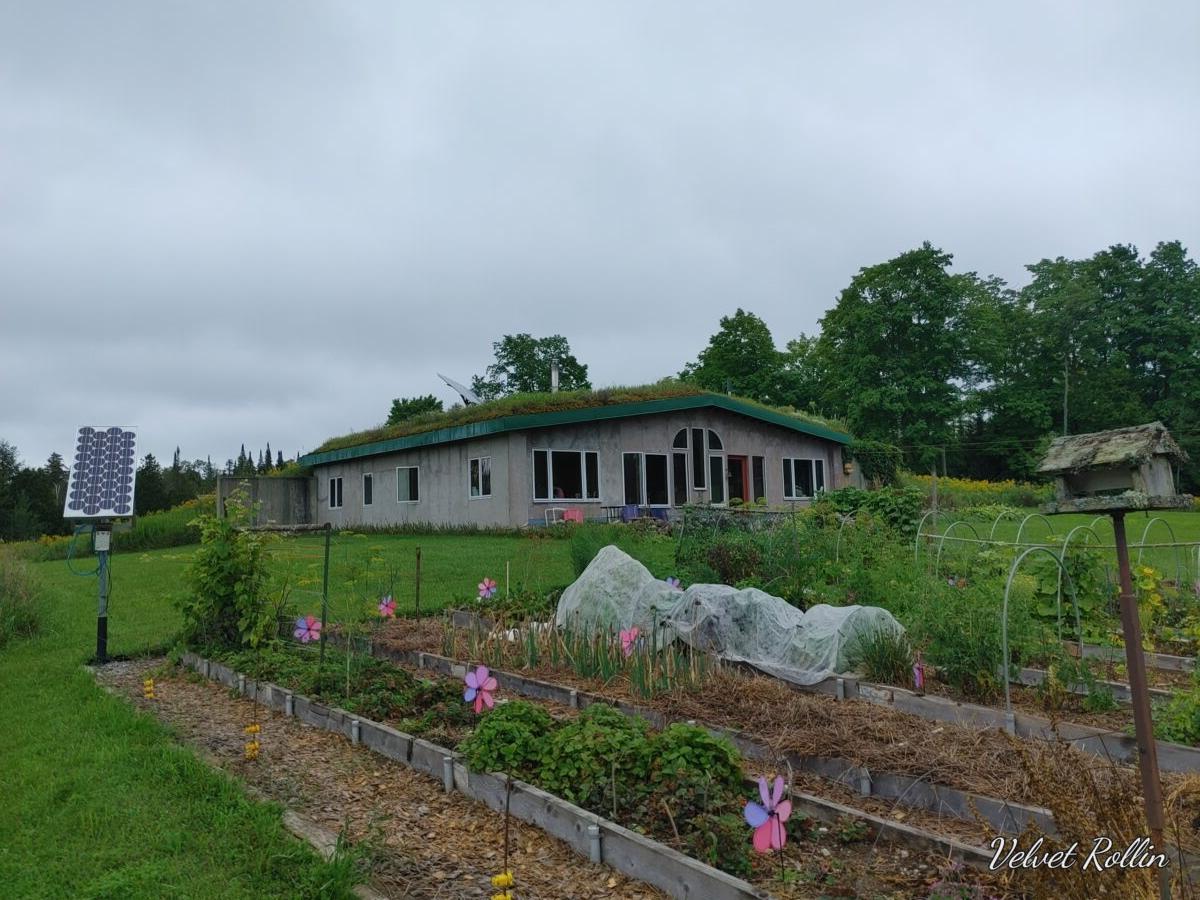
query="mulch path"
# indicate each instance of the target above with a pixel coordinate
(424, 844)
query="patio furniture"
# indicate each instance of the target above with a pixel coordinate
(555, 515)
(573, 515)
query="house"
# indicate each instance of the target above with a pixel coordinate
(575, 455)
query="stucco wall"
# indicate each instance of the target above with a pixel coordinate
(443, 487)
(281, 500)
(444, 474)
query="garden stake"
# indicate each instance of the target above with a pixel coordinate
(1135, 661)
(417, 596)
(324, 599)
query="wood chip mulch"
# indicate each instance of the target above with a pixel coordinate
(423, 843)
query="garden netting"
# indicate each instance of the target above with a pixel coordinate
(737, 624)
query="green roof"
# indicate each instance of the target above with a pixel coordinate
(580, 410)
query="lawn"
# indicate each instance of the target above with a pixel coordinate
(99, 801)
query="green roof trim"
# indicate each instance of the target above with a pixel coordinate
(529, 421)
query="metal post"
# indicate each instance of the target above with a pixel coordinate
(102, 537)
(1135, 661)
(324, 596)
(417, 596)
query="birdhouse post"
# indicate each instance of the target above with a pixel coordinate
(1115, 472)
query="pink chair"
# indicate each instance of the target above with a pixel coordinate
(573, 515)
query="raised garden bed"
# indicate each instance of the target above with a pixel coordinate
(829, 823)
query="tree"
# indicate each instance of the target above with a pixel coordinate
(406, 408)
(523, 366)
(893, 352)
(740, 358)
(150, 494)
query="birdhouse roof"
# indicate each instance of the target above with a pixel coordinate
(1119, 447)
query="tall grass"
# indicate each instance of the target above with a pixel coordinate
(19, 597)
(153, 531)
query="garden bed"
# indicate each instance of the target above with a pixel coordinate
(823, 858)
(410, 832)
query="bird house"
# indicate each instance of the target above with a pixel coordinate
(1108, 471)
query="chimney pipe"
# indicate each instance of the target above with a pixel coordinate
(554, 377)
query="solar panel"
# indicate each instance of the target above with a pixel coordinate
(101, 485)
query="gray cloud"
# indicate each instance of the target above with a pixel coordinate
(230, 222)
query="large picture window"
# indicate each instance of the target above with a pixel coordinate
(803, 478)
(566, 475)
(407, 484)
(335, 492)
(481, 476)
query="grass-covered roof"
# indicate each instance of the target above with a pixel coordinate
(521, 411)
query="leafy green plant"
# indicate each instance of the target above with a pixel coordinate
(599, 761)
(509, 739)
(1178, 719)
(883, 655)
(227, 603)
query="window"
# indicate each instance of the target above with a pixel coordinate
(679, 472)
(646, 481)
(680, 442)
(481, 476)
(631, 465)
(566, 475)
(368, 488)
(698, 468)
(716, 472)
(335, 493)
(714, 442)
(407, 485)
(759, 477)
(803, 478)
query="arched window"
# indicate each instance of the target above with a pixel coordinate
(714, 441)
(680, 442)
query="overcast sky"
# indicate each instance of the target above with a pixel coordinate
(252, 222)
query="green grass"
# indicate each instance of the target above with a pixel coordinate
(1185, 524)
(365, 566)
(98, 800)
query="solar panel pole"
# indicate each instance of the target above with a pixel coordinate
(102, 542)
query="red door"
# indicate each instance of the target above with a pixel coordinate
(739, 478)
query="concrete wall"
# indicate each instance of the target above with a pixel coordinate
(282, 500)
(444, 495)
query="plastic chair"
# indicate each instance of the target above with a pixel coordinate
(629, 512)
(555, 515)
(573, 515)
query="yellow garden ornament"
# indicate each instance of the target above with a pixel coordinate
(252, 749)
(148, 688)
(252, 729)
(503, 880)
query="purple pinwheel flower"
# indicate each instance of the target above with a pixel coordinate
(387, 607)
(629, 640)
(487, 589)
(674, 582)
(767, 820)
(480, 687)
(308, 628)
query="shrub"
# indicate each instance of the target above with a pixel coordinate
(878, 462)
(599, 761)
(19, 613)
(509, 739)
(883, 655)
(899, 507)
(227, 601)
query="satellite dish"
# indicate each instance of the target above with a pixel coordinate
(469, 397)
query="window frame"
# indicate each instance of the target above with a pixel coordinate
(549, 475)
(368, 489)
(336, 479)
(475, 463)
(643, 494)
(791, 471)
(416, 469)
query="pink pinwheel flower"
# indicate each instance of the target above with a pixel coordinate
(629, 639)
(674, 582)
(919, 672)
(480, 687)
(487, 589)
(387, 607)
(767, 820)
(308, 628)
